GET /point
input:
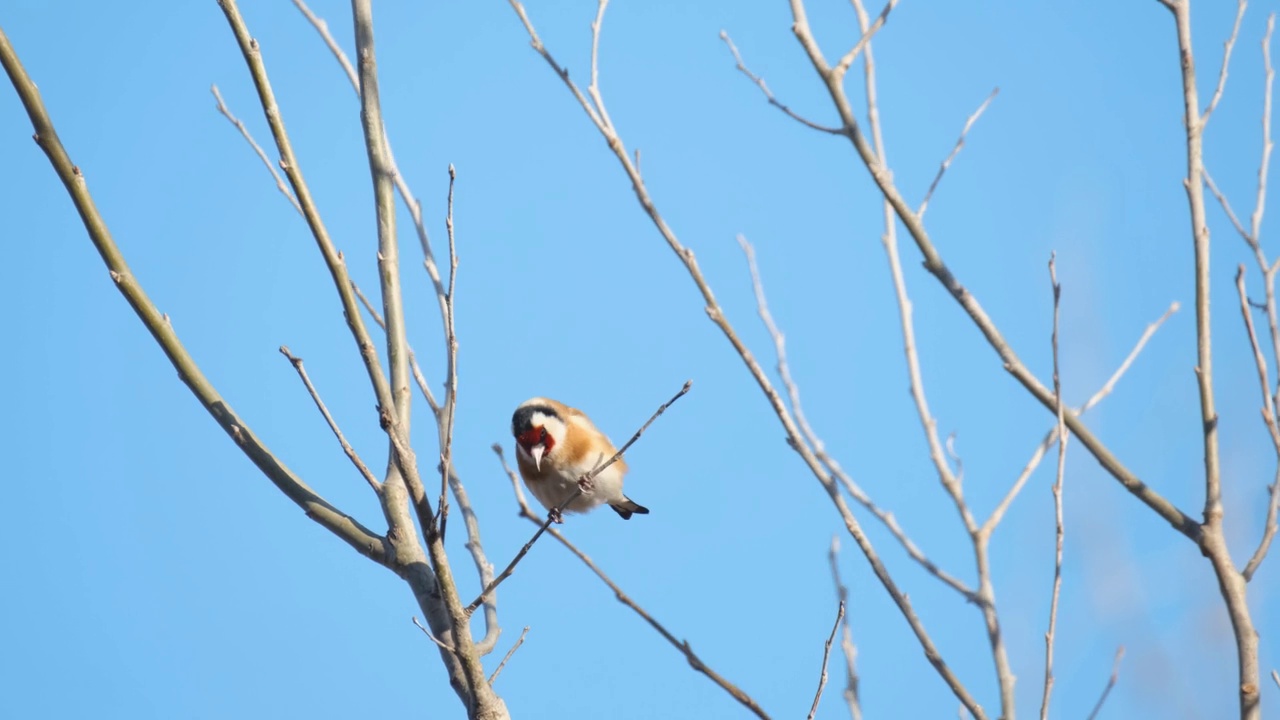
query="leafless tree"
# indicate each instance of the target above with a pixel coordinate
(412, 544)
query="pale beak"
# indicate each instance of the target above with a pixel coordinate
(536, 451)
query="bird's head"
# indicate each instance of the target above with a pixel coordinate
(538, 428)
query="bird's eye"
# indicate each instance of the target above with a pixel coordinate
(543, 436)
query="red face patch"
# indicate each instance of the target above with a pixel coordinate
(536, 436)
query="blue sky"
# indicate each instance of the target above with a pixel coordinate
(152, 569)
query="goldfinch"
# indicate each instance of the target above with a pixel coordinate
(557, 446)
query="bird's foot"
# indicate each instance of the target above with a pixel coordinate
(586, 485)
(555, 516)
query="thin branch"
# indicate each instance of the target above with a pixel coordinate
(289, 164)
(381, 172)
(1212, 536)
(469, 681)
(768, 94)
(868, 32)
(346, 528)
(951, 481)
(1259, 360)
(826, 655)
(1051, 437)
(555, 512)
(1057, 498)
(934, 264)
(446, 417)
(964, 132)
(594, 88)
(1269, 528)
(1261, 201)
(1226, 60)
(402, 188)
(484, 568)
(257, 149)
(680, 645)
(793, 396)
(1111, 683)
(505, 658)
(413, 360)
(716, 314)
(1226, 206)
(373, 312)
(846, 635)
(322, 28)
(443, 645)
(1276, 676)
(333, 425)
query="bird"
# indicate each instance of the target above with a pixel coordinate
(557, 447)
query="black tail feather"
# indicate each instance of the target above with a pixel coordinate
(628, 507)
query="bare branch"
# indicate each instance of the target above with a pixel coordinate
(826, 655)
(1226, 206)
(1226, 60)
(984, 598)
(1261, 202)
(846, 62)
(346, 528)
(505, 658)
(1269, 528)
(406, 195)
(681, 645)
(716, 315)
(333, 425)
(1276, 676)
(964, 132)
(768, 94)
(322, 28)
(1259, 360)
(594, 88)
(440, 643)
(554, 513)
(1051, 437)
(1111, 683)
(934, 264)
(1212, 537)
(1057, 499)
(413, 360)
(819, 450)
(446, 417)
(846, 635)
(257, 149)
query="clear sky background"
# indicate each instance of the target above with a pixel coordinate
(151, 572)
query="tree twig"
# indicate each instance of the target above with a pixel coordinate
(1226, 60)
(797, 408)
(934, 264)
(1057, 499)
(1212, 537)
(946, 163)
(717, 316)
(555, 512)
(768, 94)
(984, 597)
(1051, 437)
(333, 425)
(826, 656)
(257, 149)
(449, 411)
(846, 635)
(682, 646)
(512, 651)
(1111, 683)
(346, 528)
